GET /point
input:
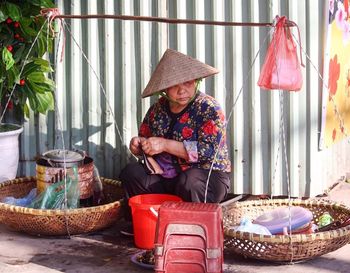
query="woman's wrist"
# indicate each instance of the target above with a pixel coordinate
(175, 147)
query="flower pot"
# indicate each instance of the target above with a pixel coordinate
(9, 152)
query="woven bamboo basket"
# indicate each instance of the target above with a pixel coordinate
(58, 222)
(284, 248)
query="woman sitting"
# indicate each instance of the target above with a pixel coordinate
(184, 132)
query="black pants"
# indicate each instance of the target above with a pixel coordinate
(189, 185)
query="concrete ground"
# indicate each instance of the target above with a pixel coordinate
(109, 251)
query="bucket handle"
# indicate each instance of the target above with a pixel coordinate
(154, 212)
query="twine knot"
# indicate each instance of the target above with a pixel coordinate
(51, 14)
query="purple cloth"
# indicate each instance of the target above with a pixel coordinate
(165, 161)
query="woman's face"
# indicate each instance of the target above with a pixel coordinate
(182, 94)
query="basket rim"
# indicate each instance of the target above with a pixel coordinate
(53, 212)
(294, 238)
(285, 201)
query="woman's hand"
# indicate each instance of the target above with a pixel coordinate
(135, 145)
(153, 145)
(156, 145)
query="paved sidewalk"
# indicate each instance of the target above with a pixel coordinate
(109, 251)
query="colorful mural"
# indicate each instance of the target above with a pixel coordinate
(336, 91)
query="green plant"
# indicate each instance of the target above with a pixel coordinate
(25, 38)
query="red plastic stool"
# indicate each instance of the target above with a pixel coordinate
(189, 238)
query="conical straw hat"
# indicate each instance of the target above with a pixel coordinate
(175, 68)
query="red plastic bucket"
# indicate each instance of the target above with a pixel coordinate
(144, 208)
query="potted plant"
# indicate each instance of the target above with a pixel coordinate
(25, 86)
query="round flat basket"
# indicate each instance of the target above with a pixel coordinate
(284, 248)
(58, 222)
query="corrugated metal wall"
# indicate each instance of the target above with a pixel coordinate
(124, 53)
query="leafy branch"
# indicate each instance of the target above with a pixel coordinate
(23, 67)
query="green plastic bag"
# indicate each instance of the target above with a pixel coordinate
(54, 195)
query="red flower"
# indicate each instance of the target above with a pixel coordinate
(187, 132)
(145, 130)
(346, 8)
(334, 73)
(347, 85)
(209, 128)
(334, 134)
(10, 105)
(184, 118)
(151, 116)
(221, 115)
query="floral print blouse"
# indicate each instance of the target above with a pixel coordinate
(200, 126)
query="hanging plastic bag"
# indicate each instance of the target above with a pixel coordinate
(281, 68)
(54, 196)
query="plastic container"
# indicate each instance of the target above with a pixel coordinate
(277, 219)
(144, 210)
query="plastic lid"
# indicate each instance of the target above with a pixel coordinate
(276, 219)
(64, 155)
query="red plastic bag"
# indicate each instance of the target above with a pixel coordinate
(281, 69)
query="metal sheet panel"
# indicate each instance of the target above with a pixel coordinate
(100, 108)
